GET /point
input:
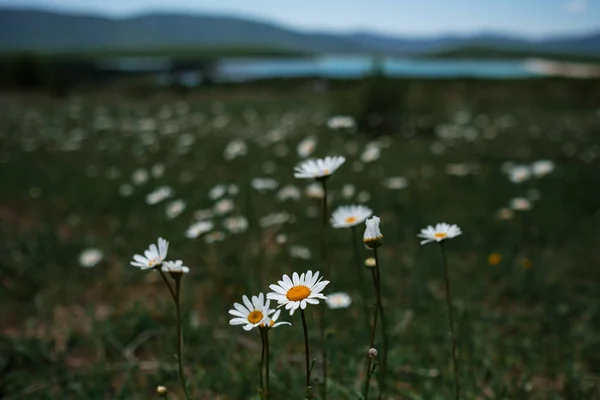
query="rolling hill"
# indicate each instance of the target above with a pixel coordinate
(44, 31)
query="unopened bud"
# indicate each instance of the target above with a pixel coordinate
(370, 262)
(372, 353)
(161, 391)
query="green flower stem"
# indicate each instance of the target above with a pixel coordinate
(306, 354)
(384, 344)
(451, 322)
(177, 278)
(359, 267)
(262, 362)
(327, 259)
(267, 356)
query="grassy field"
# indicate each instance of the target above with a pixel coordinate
(75, 174)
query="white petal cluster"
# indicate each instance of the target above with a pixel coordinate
(322, 167)
(439, 232)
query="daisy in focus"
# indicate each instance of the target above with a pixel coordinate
(438, 233)
(152, 257)
(348, 216)
(320, 168)
(252, 313)
(338, 300)
(373, 235)
(174, 267)
(271, 322)
(299, 291)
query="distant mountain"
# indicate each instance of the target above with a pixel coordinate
(27, 29)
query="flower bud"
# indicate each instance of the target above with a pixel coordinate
(161, 391)
(373, 353)
(370, 262)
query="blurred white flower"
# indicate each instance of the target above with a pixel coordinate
(542, 168)
(300, 252)
(206, 213)
(175, 208)
(363, 196)
(314, 191)
(519, 173)
(262, 184)
(224, 206)
(213, 237)
(235, 148)
(158, 195)
(126, 190)
(307, 146)
(348, 191)
(217, 192)
(198, 228)
(237, 224)
(520, 204)
(274, 219)
(90, 257)
(157, 170)
(341, 122)
(338, 300)
(288, 192)
(319, 168)
(139, 177)
(174, 267)
(396, 182)
(348, 216)
(232, 189)
(281, 239)
(371, 153)
(438, 233)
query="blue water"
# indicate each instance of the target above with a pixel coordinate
(357, 66)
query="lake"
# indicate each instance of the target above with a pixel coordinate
(359, 66)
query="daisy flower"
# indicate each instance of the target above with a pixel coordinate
(338, 300)
(373, 235)
(439, 232)
(299, 291)
(252, 313)
(271, 322)
(320, 168)
(174, 267)
(348, 216)
(152, 257)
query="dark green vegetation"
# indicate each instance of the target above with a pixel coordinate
(527, 327)
(55, 32)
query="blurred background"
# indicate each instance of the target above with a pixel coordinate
(122, 121)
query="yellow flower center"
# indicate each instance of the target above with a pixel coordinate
(298, 293)
(151, 262)
(440, 235)
(350, 220)
(326, 172)
(255, 317)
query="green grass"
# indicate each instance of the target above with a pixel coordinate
(70, 332)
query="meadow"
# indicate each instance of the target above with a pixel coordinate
(92, 179)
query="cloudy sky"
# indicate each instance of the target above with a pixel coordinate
(400, 17)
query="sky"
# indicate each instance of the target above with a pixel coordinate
(533, 18)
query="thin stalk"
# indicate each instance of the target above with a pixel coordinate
(451, 322)
(180, 335)
(327, 258)
(306, 354)
(383, 325)
(373, 331)
(267, 356)
(359, 267)
(168, 285)
(262, 362)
